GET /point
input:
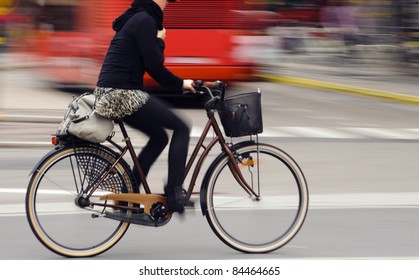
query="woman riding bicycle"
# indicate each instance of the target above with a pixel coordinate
(138, 47)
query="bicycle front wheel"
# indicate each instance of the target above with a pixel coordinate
(54, 215)
(262, 223)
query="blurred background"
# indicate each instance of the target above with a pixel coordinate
(359, 154)
(232, 39)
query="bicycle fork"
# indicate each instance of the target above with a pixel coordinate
(234, 161)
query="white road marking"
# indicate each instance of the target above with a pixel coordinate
(316, 201)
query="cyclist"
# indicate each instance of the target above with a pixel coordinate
(138, 47)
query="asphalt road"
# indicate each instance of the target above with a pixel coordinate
(359, 156)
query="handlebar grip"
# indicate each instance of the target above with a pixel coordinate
(215, 84)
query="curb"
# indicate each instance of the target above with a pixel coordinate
(13, 144)
(393, 96)
(29, 119)
(24, 65)
(34, 145)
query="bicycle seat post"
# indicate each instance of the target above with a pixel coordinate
(137, 166)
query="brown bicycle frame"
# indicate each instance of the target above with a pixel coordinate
(218, 138)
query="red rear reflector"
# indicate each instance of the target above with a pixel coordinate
(54, 140)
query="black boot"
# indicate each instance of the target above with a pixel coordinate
(176, 201)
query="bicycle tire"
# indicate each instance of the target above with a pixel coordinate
(244, 223)
(55, 219)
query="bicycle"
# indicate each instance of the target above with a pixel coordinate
(254, 195)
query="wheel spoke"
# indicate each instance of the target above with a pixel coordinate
(261, 224)
(53, 214)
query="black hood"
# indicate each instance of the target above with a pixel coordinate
(137, 6)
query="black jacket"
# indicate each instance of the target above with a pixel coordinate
(134, 50)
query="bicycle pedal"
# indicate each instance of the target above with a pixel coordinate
(189, 204)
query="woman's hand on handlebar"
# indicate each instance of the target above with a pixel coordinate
(188, 85)
(201, 88)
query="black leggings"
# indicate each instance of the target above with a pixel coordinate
(152, 119)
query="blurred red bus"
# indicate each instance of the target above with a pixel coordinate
(205, 38)
(292, 12)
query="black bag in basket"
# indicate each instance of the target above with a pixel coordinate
(241, 114)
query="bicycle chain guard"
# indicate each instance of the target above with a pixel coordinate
(155, 213)
(148, 200)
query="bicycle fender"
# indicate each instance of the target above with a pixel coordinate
(242, 144)
(45, 157)
(204, 185)
(55, 150)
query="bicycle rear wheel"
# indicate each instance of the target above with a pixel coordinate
(255, 225)
(54, 189)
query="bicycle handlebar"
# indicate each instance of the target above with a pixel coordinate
(215, 90)
(210, 87)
